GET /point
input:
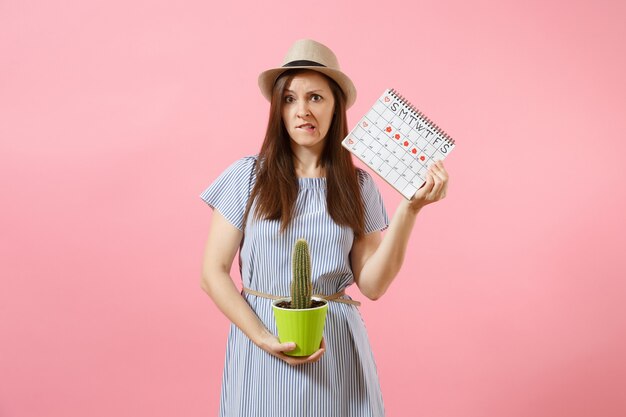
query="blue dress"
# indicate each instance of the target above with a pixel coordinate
(344, 382)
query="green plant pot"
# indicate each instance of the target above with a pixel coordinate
(304, 327)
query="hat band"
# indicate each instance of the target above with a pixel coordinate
(303, 63)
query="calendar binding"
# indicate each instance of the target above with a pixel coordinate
(421, 116)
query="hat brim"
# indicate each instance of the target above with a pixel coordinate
(269, 77)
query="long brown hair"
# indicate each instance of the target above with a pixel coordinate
(276, 187)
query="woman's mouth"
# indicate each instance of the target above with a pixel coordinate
(306, 127)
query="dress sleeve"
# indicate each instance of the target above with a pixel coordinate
(229, 193)
(375, 212)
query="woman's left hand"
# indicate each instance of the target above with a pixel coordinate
(434, 189)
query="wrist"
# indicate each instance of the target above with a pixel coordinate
(413, 206)
(262, 338)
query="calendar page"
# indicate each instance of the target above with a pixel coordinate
(398, 142)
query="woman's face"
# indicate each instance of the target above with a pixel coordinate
(307, 111)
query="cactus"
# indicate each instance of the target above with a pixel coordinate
(301, 287)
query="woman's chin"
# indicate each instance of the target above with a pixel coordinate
(307, 141)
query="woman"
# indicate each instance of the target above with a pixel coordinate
(303, 185)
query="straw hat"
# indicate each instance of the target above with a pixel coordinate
(309, 54)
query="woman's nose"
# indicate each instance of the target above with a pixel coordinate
(303, 109)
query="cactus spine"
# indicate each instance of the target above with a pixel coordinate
(301, 287)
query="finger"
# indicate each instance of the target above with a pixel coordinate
(425, 188)
(436, 173)
(440, 175)
(291, 360)
(316, 356)
(295, 360)
(436, 169)
(444, 190)
(283, 347)
(436, 190)
(438, 180)
(422, 191)
(442, 171)
(430, 181)
(439, 171)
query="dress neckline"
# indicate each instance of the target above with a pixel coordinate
(312, 182)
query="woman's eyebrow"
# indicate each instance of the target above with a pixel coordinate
(308, 92)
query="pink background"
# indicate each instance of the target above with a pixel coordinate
(115, 115)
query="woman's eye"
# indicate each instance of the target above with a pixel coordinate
(316, 97)
(289, 99)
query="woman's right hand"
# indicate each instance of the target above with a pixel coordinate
(272, 345)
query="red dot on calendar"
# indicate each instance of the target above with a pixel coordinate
(406, 143)
(397, 136)
(414, 150)
(365, 124)
(388, 129)
(422, 158)
(386, 99)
